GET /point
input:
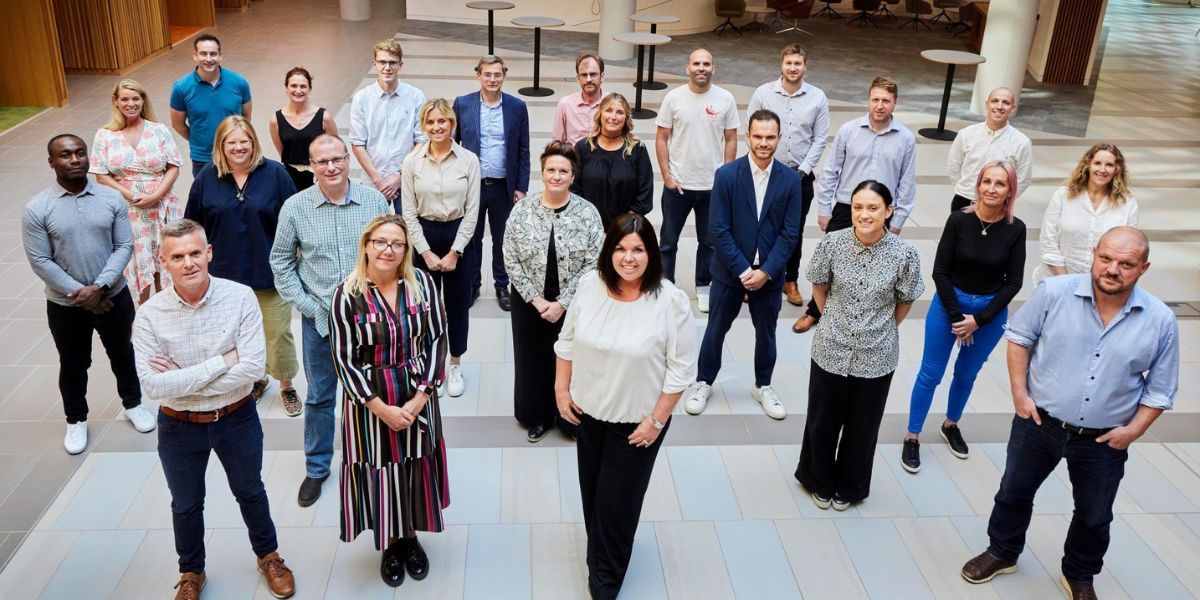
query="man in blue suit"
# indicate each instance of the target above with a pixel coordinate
(754, 214)
(495, 126)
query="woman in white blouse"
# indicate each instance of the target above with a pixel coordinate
(1094, 199)
(626, 352)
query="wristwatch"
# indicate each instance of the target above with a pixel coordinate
(657, 424)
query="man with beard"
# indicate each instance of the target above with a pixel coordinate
(573, 117)
(203, 98)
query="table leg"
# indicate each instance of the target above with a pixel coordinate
(537, 89)
(940, 133)
(638, 111)
(491, 32)
(650, 83)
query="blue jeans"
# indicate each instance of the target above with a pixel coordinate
(675, 207)
(184, 449)
(320, 402)
(1095, 470)
(197, 167)
(939, 340)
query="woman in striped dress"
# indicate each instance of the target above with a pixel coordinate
(388, 326)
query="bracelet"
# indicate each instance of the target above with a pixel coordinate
(657, 424)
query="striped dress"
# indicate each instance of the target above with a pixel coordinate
(393, 483)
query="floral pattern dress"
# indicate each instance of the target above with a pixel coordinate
(141, 168)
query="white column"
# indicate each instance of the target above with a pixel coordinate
(1006, 43)
(614, 18)
(356, 10)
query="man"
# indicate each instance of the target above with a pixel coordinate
(495, 126)
(383, 121)
(203, 98)
(574, 115)
(981, 143)
(316, 245)
(200, 348)
(875, 146)
(1092, 363)
(755, 216)
(78, 241)
(697, 132)
(804, 112)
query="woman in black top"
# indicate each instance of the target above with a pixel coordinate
(614, 165)
(978, 270)
(296, 125)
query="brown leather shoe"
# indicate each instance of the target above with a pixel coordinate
(1077, 590)
(792, 293)
(189, 586)
(279, 577)
(804, 323)
(984, 567)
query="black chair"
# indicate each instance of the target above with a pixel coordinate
(944, 4)
(917, 8)
(884, 11)
(966, 16)
(775, 21)
(865, 8)
(796, 10)
(828, 9)
(730, 9)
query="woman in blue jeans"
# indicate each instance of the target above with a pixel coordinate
(978, 269)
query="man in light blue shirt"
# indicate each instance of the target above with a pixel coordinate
(1093, 360)
(383, 121)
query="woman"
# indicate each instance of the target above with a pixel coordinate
(978, 269)
(296, 125)
(136, 155)
(865, 280)
(1094, 199)
(614, 165)
(387, 331)
(627, 351)
(440, 195)
(552, 237)
(237, 199)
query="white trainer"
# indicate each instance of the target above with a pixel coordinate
(697, 401)
(769, 401)
(76, 438)
(141, 418)
(702, 300)
(455, 386)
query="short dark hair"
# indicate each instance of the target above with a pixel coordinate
(50, 144)
(764, 114)
(621, 227)
(297, 71)
(586, 55)
(878, 188)
(205, 37)
(563, 149)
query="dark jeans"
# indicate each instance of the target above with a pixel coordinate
(1095, 470)
(959, 203)
(455, 285)
(184, 449)
(724, 304)
(197, 167)
(613, 478)
(791, 271)
(675, 207)
(838, 221)
(495, 204)
(72, 327)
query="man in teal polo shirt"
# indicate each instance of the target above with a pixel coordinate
(201, 99)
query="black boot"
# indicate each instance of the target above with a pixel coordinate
(415, 559)
(392, 566)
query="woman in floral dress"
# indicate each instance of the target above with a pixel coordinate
(136, 156)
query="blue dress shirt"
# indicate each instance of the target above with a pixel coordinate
(491, 140)
(206, 105)
(859, 154)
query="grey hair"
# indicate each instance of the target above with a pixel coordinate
(180, 228)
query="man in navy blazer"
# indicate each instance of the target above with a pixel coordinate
(754, 215)
(495, 126)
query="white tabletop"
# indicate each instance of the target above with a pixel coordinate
(760, 10)
(653, 19)
(642, 39)
(538, 22)
(953, 57)
(489, 5)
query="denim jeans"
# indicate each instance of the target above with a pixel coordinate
(939, 340)
(725, 303)
(675, 207)
(184, 448)
(197, 167)
(320, 402)
(1095, 471)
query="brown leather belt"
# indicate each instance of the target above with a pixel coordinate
(206, 416)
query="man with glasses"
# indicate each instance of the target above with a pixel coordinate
(383, 121)
(316, 245)
(574, 115)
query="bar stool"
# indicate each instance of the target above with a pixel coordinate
(641, 40)
(537, 23)
(491, 7)
(654, 21)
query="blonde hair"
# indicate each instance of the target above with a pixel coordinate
(442, 105)
(228, 126)
(117, 121)
(627, 132)
(358, 282)
(391, 46)
(1118, 188)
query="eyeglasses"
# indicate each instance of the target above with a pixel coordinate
(590, 75)
(331, 162)
(381, 245)
(388, 63)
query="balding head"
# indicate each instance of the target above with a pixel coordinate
(1001, 105)
(1125, 236)
(1121, 258)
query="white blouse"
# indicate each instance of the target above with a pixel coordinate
(625, 354)
(1071, 228)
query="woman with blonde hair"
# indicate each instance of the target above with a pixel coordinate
(136, 155)
(614, 165)
(387, 330)
(296, 125)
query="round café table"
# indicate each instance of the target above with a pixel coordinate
(641, 40)
(537, 23)
(654, 21)
(491, 7)
(755, 11)
(951, 58)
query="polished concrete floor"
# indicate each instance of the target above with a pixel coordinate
(723, 517)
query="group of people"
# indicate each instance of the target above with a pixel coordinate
(384, 276)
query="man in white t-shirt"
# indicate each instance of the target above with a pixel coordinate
(697, 132)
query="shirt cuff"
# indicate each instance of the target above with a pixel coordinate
(1019, 338)
(1156, 401)
(745, 273)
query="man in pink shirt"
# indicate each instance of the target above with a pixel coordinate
(573, 117)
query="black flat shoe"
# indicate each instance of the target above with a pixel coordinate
(536, 433)
(415, 559)
(504, 299)
(310, 490)
(474, 295)
(391, 568)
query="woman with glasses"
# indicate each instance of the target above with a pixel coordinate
(237, 198)
(296, 125)
(387, 330)
(614, 165)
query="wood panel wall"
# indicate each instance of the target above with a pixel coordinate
(1072, 40)
(198, 13)
(32, 72)
(110, 36)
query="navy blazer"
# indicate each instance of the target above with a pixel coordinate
(737, 230)
(516, 135)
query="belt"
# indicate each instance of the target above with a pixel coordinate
(493, 181)
(205, 416)
(1077, 430)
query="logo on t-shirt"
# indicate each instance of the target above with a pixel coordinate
(711, 112)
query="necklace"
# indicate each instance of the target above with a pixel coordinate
(982, 227)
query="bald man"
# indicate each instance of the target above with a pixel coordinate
(1093, 360)
(981, 143)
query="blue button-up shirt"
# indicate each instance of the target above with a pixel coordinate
(804, 122)
(491, 140)
(1091, 375)
(859, 153)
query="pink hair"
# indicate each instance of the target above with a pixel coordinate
(1013, 187)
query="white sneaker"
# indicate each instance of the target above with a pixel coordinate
(141, 418)
(76, 439)
(702, 301)
(698, 399)
(771, 405)
(455, 386)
